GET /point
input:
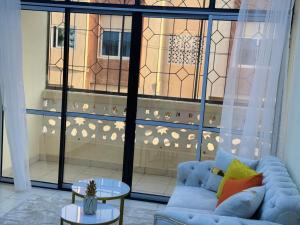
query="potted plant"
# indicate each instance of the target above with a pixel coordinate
(90, 200)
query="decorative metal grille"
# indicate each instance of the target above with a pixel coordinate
(129, 2)
(221, 45)
(55, 60)
(88, 69)
(177, 3)
(172, 57)
(228, 4)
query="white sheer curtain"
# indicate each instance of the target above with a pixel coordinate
(247, 121)
(12, 90)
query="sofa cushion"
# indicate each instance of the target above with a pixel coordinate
(234, 186)
(189, 210)
(223, 159)
(243, 204)
(236, 170)
(193, 198)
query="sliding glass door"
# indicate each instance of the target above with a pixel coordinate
(97, 87)
(168, 112)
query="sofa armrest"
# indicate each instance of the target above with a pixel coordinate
(193, 173)
(169, 217)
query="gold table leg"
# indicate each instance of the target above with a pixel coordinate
(122, 200)
(121, 211)
(73, 197)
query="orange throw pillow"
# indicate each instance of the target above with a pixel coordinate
(233, 186)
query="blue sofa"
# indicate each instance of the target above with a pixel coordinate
(191, 204)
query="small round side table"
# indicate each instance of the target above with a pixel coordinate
(73, 214)
(107, 189)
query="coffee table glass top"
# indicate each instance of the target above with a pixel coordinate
(106, 188)
(105, 214)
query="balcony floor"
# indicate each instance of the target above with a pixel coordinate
(143, 183)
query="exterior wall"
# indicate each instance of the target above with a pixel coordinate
(169, 56)
(77, 73)
(104, 70)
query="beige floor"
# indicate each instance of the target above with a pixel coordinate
(143, 183)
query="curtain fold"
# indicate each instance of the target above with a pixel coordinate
(12, 91)
(248, 112)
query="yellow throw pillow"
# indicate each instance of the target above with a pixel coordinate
(236, 170)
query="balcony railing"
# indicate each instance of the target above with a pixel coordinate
(158, 149)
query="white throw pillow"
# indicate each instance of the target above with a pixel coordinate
(243, 204)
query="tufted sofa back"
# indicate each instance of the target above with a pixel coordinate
(194, 173)
(282, 199)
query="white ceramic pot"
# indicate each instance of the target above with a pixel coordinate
(89, 205)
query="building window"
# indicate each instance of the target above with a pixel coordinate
(111, 45)
(126, 44)
(58, 37)
(249, 52)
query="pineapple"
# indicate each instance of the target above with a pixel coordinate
(90, 200)
(91, 188)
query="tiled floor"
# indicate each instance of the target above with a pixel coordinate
(143, 183)
(11, 200)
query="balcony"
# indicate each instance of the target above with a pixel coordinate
(95, 147)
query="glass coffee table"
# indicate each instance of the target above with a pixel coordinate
(107, 189)
(73, 214)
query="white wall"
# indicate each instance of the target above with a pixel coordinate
(34, 34)
(291, 144)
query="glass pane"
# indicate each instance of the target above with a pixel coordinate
(37, 66)
(56, 51)
(177, 3)
(126, 44)
(236, 4)
(172, 63)
(172, 57)
(95, 64)
(98, 78)
(221, 45)
(110, 43)
(209, 146)
(158, 150)
(60, 36)
(44, 141)
(228, 4)
(211, 141)
(127, 2)
(94, 148)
